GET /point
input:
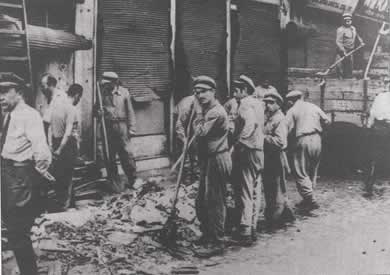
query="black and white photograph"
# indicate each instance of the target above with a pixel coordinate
(211, 137)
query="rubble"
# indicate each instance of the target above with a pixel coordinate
(120, 235)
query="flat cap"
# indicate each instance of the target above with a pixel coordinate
(294, 93)
(109, 76)
(11, 80)
(204, 81)
(273, 96)
(347, 15)
(247, 80)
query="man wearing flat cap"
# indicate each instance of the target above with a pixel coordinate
(346, 42)
(248, 160)
(120, 122)
(211, 128)
(305, 122)
(24, 152)
(277, 210)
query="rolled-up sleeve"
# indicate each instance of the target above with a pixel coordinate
(36, 135)
(279, 137)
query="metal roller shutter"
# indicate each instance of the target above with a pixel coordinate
(135, 44)
(258, 49)
(201, 39)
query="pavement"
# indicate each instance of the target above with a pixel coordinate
(349, 234)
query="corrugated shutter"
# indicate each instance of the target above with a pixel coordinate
(258, 49)
(201, 33)
(135, 44)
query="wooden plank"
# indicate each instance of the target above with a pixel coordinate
(343, 105)
(344, 85)
(353, 117)
(84, 71)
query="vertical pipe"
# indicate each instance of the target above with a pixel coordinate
(173, 73)
(228, 46)
(94, 79)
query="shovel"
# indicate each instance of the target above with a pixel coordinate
(331, 67)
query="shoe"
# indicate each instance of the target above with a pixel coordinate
(308, 204)
(210, 251)
(313, 205)
(203, 240)
(244, 240)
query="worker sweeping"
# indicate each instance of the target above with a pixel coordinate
(211, 126)
(346, 42)
(277, 210)
(248, 160)
(305, 122)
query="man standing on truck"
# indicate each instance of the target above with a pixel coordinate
(346, 42)
(304, 121)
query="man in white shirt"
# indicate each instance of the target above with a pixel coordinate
(379, 123)
(49, 89)
(24, 152)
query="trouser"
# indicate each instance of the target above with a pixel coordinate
(20, 204)
(306, 158)
(247, 180)
(345, 68)
(119, 144)
(63, 171)
(210, 202)
(275, 188)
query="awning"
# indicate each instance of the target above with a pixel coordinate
(40, 38)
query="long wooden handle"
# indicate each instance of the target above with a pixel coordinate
(378, 37)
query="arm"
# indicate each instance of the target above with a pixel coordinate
(131, 116)
(323, 117)
(204, 125)
(249, 119)
(290, 121)
(339, 40)
(279, 137)
(36, 135)
(359, 38)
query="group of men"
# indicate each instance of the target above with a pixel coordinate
(245, 145)
(34, 148)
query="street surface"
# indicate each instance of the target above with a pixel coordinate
(348, 235)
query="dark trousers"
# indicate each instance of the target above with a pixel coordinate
(345, 68)
(63, 171)
(20, 204)
(211, 200)
(119, 144)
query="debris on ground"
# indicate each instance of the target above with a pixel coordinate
(119, 235)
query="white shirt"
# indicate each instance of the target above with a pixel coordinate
(380, 109)
(26, 138)
(58, 94)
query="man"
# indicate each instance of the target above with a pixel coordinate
(211, 126)
(248, 160)
(263, 88)
(120, 122)
(49, 89)
(346, 42)
(276, 166)
(24, 151)
(64, 130)
(304, 121)
(379, 122)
